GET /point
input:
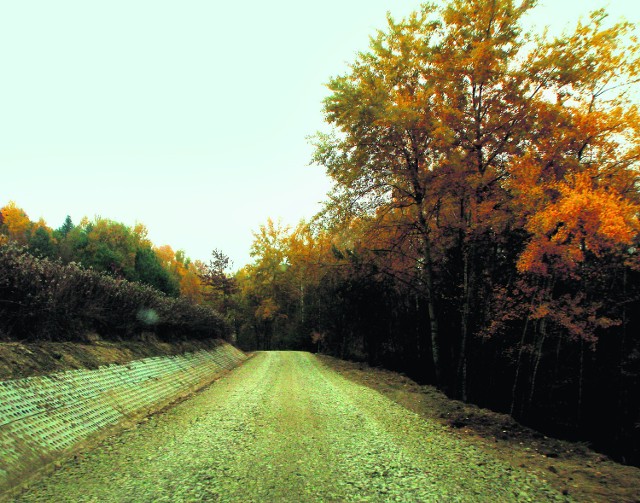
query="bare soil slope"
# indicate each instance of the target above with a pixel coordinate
(19, 360)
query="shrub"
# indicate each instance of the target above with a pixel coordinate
(42, 299)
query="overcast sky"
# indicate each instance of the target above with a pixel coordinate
(189, 116)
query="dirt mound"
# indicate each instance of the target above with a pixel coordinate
(571, 467)
(19, 360)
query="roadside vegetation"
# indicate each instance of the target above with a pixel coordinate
(102, 278)
(482, 233)
(106, 246)
(48, 301)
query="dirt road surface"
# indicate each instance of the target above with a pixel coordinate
(284, 427)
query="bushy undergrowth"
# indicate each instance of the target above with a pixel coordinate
(46, 300)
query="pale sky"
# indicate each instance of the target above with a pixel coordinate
(189, 116)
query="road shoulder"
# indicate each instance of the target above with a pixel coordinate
(569, 467)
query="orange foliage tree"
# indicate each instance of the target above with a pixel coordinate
(456, 127)
(486, 188)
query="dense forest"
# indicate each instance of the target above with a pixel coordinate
(481, 235)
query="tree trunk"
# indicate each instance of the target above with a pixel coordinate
(539, 345)
(581, 383)
(518, 365)
(436, 352)
(464, 327)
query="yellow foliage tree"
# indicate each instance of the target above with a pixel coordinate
(16, 224)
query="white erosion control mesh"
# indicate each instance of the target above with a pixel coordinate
(42, 418)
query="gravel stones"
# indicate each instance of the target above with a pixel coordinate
(283, 427)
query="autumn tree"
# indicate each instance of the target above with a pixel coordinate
(218, 284)
(266, 287)
(190, 283)
(440, 121)
(482, 232)
(16, 225)
(111, 248)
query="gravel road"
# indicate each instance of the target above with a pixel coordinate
(283, 427)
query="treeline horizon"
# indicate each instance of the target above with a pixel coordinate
(101, 277)
(106, 246)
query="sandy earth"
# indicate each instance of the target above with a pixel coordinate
(286, 427)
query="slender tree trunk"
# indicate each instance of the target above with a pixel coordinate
(539, 346)
(539, 337)
(556, 368)
(436, 352)
(464, 326)
(518, 365)
(343, 346)
(581, 382)
(418, 335)
(620, 413)
(557, 363)
(427, 276)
